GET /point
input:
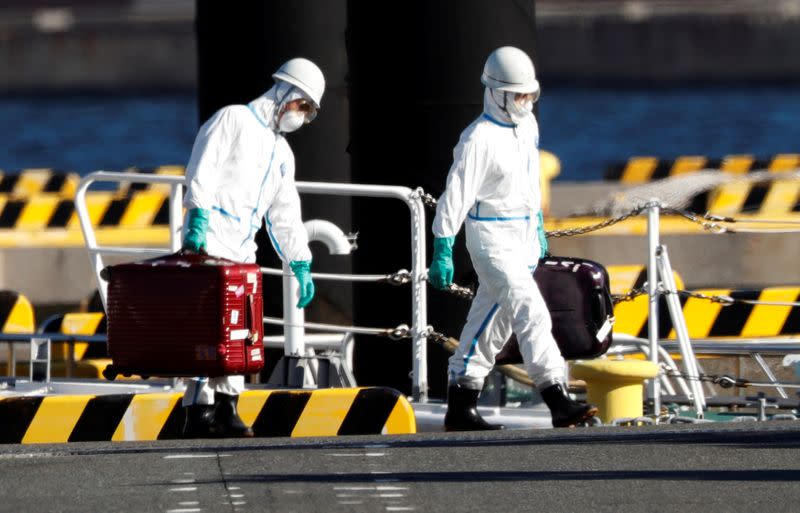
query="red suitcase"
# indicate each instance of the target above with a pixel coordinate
(184, 315)
(577, 294)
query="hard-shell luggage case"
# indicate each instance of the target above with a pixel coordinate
(184, 315)
(579, 299)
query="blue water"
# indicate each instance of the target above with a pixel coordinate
(587, 128)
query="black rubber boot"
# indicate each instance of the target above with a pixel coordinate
(462, 411)
(200, 422)
(565, 411)
(228, 422)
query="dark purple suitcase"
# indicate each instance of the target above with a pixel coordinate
(579, 299)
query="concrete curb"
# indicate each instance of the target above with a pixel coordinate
(159, 416)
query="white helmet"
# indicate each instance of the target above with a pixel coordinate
(305, 75)
(510, 69)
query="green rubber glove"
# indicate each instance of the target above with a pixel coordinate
(542, 237)
(196, 226)
(440, 274)
(302, 271)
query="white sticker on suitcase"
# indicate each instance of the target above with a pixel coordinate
(255, 354)
(252, 278)
(605, 328)
(234, 316)
(239, 334)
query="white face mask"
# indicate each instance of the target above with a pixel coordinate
(291, 121)
(519, 112)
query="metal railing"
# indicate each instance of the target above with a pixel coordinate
(419, 326)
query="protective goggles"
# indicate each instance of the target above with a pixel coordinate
(307, 108)
(534, 96)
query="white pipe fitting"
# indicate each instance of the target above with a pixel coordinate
(330, 235)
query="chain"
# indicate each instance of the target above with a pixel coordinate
(401, 277)
(599, 226)
(708, 221)
(435, 336)
(721, 299)
(712, 227)
(728, 300)
(427, 199)
(459, 291)
(399, 333)
(628, 296)
(724, 380)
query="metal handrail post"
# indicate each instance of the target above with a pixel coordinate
(96, 252)
(293, 317)
(682, 332)
(175, 215)
(653, 212)
(419, 310)
(419, 328)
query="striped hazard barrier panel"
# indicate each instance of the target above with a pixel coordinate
(639, 170)
(137, 217)
(29, 182)
(16, 313)
(708, 319)
(160, 416)
(776, 197)
(624, 278)
(37, 209)
(80, 323)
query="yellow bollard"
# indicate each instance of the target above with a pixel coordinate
(615, 386)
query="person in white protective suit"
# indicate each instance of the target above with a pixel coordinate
(242, 171)
(493, 187)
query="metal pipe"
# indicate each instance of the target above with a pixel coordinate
(419, 303)
(338, 244)
(330, 235)
(416, 208)
(654, 387)
(723, 346)
(95, 252)
(294, 317)
(682, 332)
(175, 215)
(764, 367)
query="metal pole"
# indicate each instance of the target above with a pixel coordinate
(654, 387)
(682, 332)
(294, 318)
(175, 215)
(419, 304)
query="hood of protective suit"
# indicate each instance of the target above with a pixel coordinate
(269, 104)
(500, 106)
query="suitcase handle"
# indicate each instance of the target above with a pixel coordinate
(250, 316)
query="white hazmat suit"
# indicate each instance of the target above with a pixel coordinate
(493, 186)
(242, 171)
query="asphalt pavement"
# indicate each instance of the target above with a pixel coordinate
(708, 467)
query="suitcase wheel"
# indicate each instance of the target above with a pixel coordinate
(110, 373)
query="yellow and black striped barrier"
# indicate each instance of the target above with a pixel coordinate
(16, 313)
(80, 323)
(707, 319)
(38, 211)
(624, 278)
(168, 170)
(136, 217)
(160, 416)
(773, 198)
(639, 170)
(30, 182)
